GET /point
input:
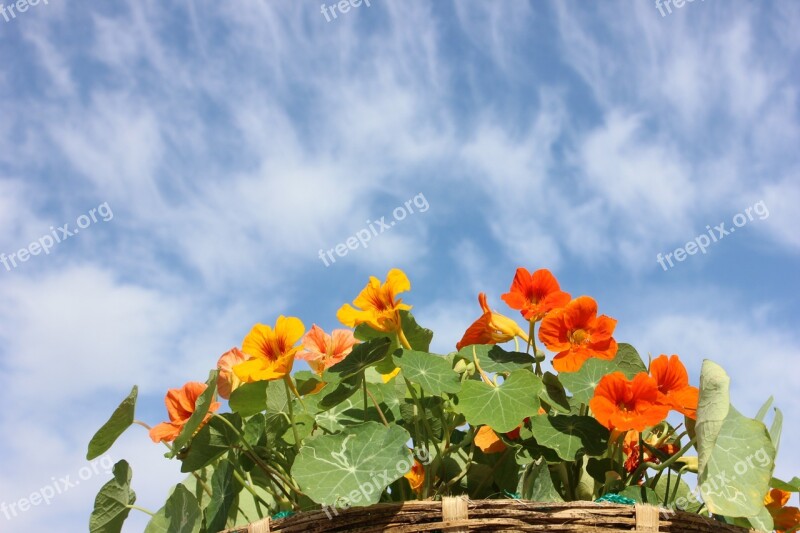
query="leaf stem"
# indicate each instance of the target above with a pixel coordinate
(377, 406)
(142, 509)
(286, 380)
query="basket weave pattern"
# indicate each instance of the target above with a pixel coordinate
(457, 515)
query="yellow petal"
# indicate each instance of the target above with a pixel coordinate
(291, 328)
(398, 281)
(388, 377)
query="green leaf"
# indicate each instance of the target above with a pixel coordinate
(306, 381)
(791, 486)
(431, 372)
(326, 399)
(554, 394)
(353, 467)
(351, 411)
(213, 440)
(679, 492)
(628, 361)
(735, 453)
(537, 485)
(504, 407)
(418, 337)
(111, 504)
(120, 420)
(201, 408)
(739, 468)
(223, 492)
(569, 434)
(182, 513)
(494, 359)
(583, 382)
(712, 408)
(776, 428)
(764, 409)
(363, 355)
(249, 398)
(304, 424)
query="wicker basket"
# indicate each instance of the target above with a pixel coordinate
(456, 515)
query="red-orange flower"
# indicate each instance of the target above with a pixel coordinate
(673, 385)
(180, 406)
(785, 518)
(622, 404)
(322, 351)
(578, 334)
(228, 381)
(416, 476)
(534, 295)
(490, 328)
(634, 455)
(488, 441)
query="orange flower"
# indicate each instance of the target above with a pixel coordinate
(377, 305)
(271, 351)
(578, 334)
(488, 441)
(621, 404)
(322, 351)
(180, 406)
(227, 382)
(634, 456)
(673, 385)
(416, 476)
(534, 295)
(490, 328)
(785, 518)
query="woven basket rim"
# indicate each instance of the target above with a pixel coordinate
(491, 515)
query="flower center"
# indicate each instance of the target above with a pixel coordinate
(579, 336)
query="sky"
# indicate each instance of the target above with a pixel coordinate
(207, 156)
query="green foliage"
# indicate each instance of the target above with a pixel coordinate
(503, 407)
(431, 372)
(120, 420)
(111, 506)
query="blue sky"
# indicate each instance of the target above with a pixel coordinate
(232, 141)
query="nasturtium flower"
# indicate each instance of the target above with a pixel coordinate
(785, 518)
(634, 454)
(377, 304)
(621, 404)
(271, 351)
(578, 334)
(490, 328)
(535, 295)
(416, 476)
(488, 441)
(322, 351)
(180, 407)
(227, 381)
(673, 385)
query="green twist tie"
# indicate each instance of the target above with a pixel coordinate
(616, 498)
(514, 495)
(282, 514)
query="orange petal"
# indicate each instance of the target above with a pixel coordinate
(488, 441)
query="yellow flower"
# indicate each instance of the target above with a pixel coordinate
(271, 351)
(377, 305)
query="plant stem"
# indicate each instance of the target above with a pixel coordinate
(401, 337)
(378, 407)
(251, 490)
(286, 380)
(364, 383)
(142, 509)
